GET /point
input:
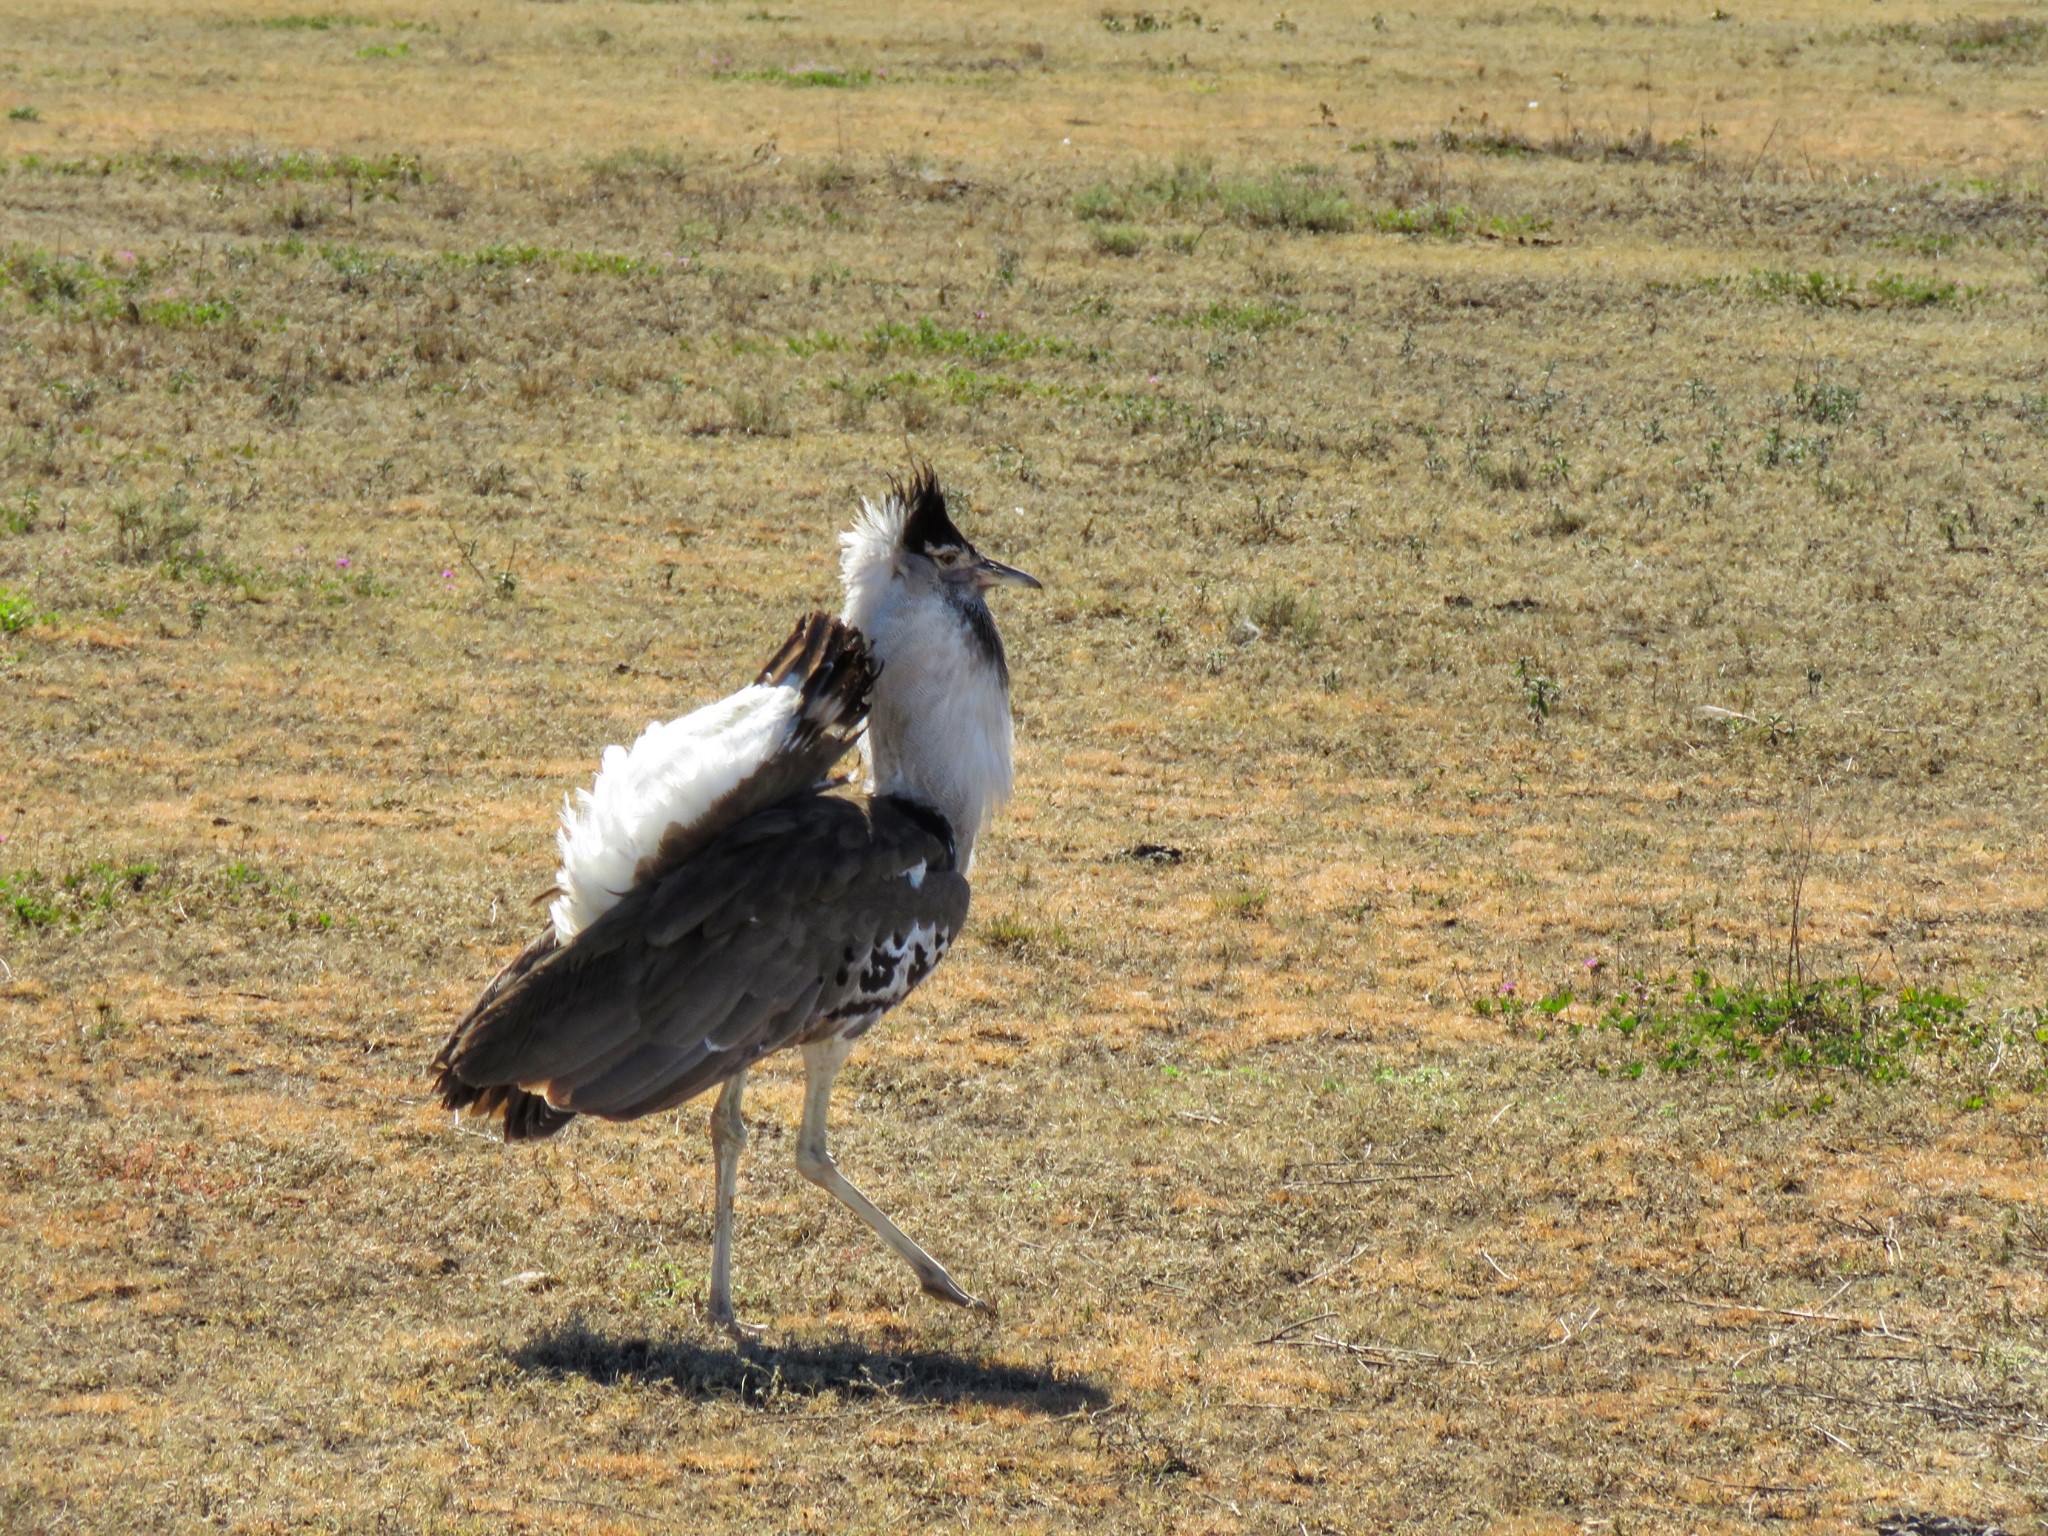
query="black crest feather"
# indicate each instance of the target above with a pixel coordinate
(927, 527)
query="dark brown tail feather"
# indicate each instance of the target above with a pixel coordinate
(528, 1116)
(836, 667)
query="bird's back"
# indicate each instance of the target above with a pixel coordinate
(809, 918)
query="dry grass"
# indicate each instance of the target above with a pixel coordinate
(1499, 548)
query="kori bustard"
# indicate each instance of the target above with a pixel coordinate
(718, 901)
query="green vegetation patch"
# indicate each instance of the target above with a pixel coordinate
(378, 173)
(54, 284)
(37, 900)
(1304, 202)
(1847, 290)
(931, 339)
(518, 254)
(1841, 1023)
(330, 21)
(826, 77)
(16, 612)
(1252, 316)
(1302, 199)
(1968, 39)
(111, 288)
(1641, 146)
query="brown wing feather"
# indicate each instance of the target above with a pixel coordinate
(836, 673)
(695, 976)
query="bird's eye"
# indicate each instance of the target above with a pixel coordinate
(947, 556)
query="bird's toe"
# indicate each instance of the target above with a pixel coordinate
(940, 1287)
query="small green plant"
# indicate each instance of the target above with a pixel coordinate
(162, 529)
(1103, 203)
(1011, 934)
(1282, 612)
(1246, 906)
(1539, 692)
(1823, 290)
(37, 901)
(1892, 290)
(317, 21)
(1119, 239)
(16, 612)
(927, 336)
(828, 78)
(184, 314)
(23, 114)
(1444, 221)
(1289, 200)
(1824, 401)
(29, 909)
(1252, 316)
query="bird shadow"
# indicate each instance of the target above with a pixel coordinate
(758, 1374)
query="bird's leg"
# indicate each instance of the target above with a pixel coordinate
(822, 1061)
(728, 1140)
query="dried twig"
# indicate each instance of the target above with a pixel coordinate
(1300, 1322)
(1324, 1274)
(1377, 1178)
(1880, 1328)
(2005, 1421)
(1388, 1353)
(1720, 1482)
(614, 1509)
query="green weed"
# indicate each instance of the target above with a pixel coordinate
(1012, 935)
(331, 21)
(1824, 401)
(16, 612)
(928, 337)
(1291, 201)
(818, 76)
(1246, 906)
(1119, 239)
(1252, 316)
(1843, 1023)
(1283, 613)
(37, 900)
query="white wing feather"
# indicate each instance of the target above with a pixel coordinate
(673, 774)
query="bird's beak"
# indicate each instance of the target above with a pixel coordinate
(993, 573)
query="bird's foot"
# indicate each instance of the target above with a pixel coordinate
(742, 1333)
(940, 1287)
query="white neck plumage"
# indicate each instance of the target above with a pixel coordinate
(939, 727)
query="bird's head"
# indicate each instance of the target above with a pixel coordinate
(906, 554)
(939, 722)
